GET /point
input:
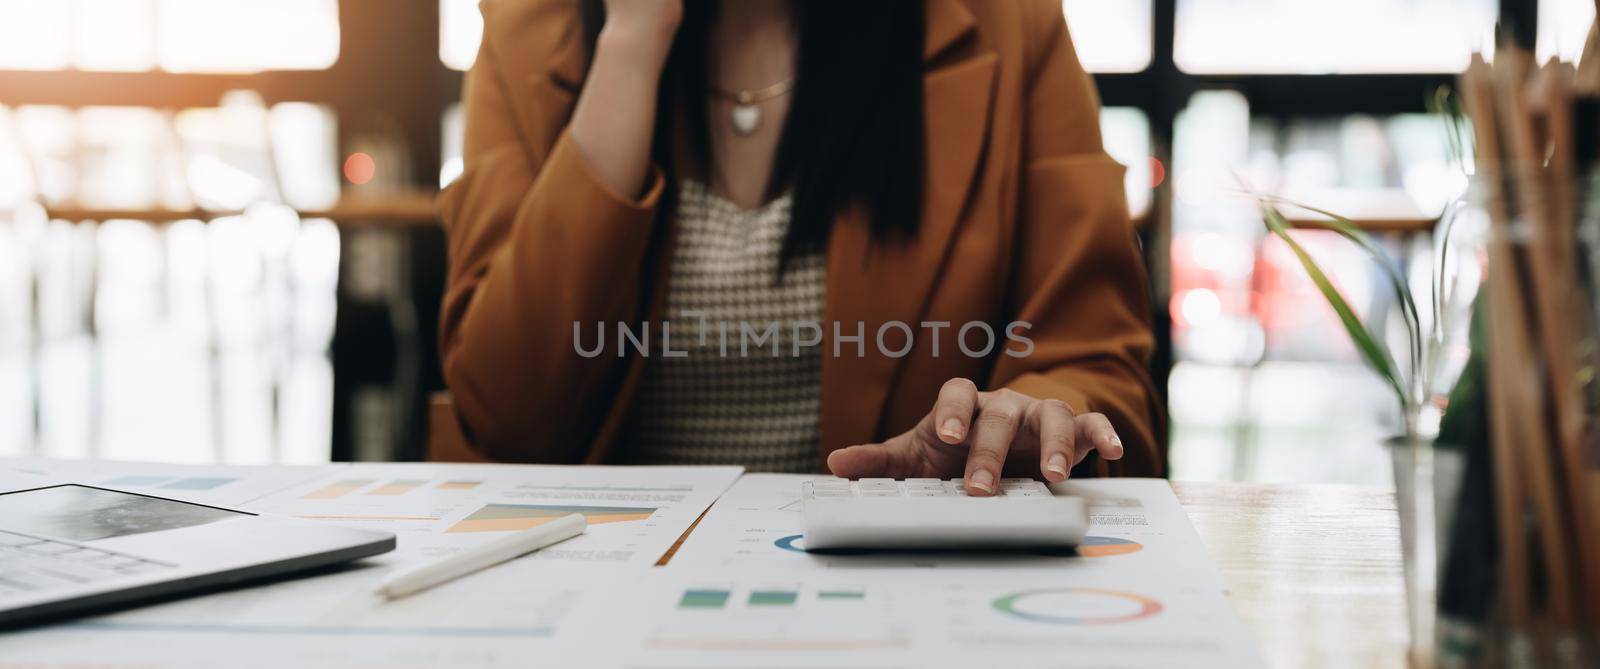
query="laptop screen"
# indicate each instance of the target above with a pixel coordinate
(82, 513)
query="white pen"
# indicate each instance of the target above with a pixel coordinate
(423, 576)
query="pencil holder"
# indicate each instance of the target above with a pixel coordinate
(1514, 542)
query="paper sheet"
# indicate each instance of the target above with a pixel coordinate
(740, 592)
(499, 617)
(1141, 592)
(223, 485)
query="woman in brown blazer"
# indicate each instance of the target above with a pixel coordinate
(917, 187)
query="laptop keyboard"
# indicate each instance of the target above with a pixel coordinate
(31, 565)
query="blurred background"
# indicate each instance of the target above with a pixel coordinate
(217, 240)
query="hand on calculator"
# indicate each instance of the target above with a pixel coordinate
(978, 435)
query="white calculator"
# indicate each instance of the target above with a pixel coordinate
(938, 514)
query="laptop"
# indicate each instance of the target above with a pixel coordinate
(70, 549)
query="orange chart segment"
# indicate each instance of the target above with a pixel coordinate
(1107, 546)
(512, 517)
(394, 488)
(337, 489)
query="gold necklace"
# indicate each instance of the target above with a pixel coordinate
(745, 115)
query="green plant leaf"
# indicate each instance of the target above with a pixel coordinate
(1370, 349)
(1347, 229)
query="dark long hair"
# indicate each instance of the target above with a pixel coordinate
(853, 135)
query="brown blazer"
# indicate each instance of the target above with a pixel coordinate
(1024, 219)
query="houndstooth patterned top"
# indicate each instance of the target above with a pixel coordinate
(732, 398)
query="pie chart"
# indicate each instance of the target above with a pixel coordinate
(1077, 606)
(1093, 546)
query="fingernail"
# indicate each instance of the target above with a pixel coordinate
(1058, 465)
(982, 480)
(1116, 442)
(952, 428)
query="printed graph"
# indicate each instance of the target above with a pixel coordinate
(722, 597)
(791, 543)
(396, 488)
(1077, 606)
(777, 617)
(337, 489)
(512, 517)
(391, 488)
(1107, 546)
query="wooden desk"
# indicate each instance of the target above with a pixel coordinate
(1314, 570)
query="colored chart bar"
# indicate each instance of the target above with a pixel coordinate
(459, 485)
(394, 488)
(512, 517)
(704, 599)
(841, 595)
(337, 489)
(773, 597)
(199, 483)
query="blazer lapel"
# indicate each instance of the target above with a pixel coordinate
(875, 283)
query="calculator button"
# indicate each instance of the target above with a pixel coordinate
(924, 481)
(928, 492)
(881, 492)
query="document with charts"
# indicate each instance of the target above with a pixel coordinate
(497, 617)
(742, 591)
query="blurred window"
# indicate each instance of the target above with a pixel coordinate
(1110, 35)
(460, 30)
(172, 35)
(1323, 37)
(455, 133)
(206, 341)
(1126, 133)
(1563, 28)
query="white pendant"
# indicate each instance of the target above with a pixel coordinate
(745, 119)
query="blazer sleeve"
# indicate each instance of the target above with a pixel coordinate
(1079, 279)
(537, 244)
